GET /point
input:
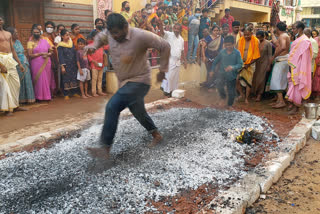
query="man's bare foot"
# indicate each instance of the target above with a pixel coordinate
(273, 104)
(258, 99)
(21, 109)
(157, 138)
(279, 105)
(102, 94)
(9, 114)
(100, 153)
(293, 111)
(87, 95)
(95, 95)
(240, 99)
(84, 97)
(246, 101)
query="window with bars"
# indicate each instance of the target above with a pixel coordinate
(316, 10)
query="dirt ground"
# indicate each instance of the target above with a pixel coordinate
(298, 190)
(44, 117)
(295, 192)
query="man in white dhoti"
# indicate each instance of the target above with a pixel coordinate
(279, 81)
(9, 77)
(171, 81)
(315, 49)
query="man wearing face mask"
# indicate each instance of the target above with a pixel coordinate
(128, 48)
(193, 37)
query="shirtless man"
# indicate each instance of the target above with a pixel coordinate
(236, 33)
(9, 78)
(280, 70)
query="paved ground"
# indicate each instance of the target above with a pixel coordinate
(298, 190)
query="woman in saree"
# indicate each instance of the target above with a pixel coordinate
(213, 44)
(68, 64)
(26, 94)
(39, 51)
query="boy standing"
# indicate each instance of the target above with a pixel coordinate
(230, 63)
(83, 68)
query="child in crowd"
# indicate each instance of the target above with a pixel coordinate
(184, 34)
(83, 68)
(230, 63)
(97, 65)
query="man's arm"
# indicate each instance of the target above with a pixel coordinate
(100, 40)
(280, 48)
(15, 56)
(239, 63)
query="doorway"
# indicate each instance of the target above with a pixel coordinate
(22, 15)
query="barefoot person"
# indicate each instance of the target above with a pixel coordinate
(250, 53)
(9, 77)
(128, 48)
(299, 78)
(171, 82)
(280, 70)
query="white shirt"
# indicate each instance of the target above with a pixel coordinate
(177, 46)
(315, 47)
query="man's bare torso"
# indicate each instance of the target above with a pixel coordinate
(284, 37)
(5, 42)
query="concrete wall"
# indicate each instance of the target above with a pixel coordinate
(190, 76)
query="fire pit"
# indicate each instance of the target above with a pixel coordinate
(198, 149)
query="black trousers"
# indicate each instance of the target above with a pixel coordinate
(231, 89)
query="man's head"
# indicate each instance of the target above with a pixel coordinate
(205, 32)
(149, 8)
(229, 43)
(81, 43)
(125, 6)
(50, 26)
(247, 33)
(281, 27)
(99, 24)
(260, 35)
(236, 27)
(75, 28)
(227, 12)
(225, 29)
(298, 28)
(197, 12)
(177, 29)
(265, 27)
(118, 27)
(37, 26)
(307, 32)
(159, 12)
(107, 13)
(250, 25)
(205, 12)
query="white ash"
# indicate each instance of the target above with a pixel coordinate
(64, 179)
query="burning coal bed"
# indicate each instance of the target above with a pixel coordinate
(198, 148)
